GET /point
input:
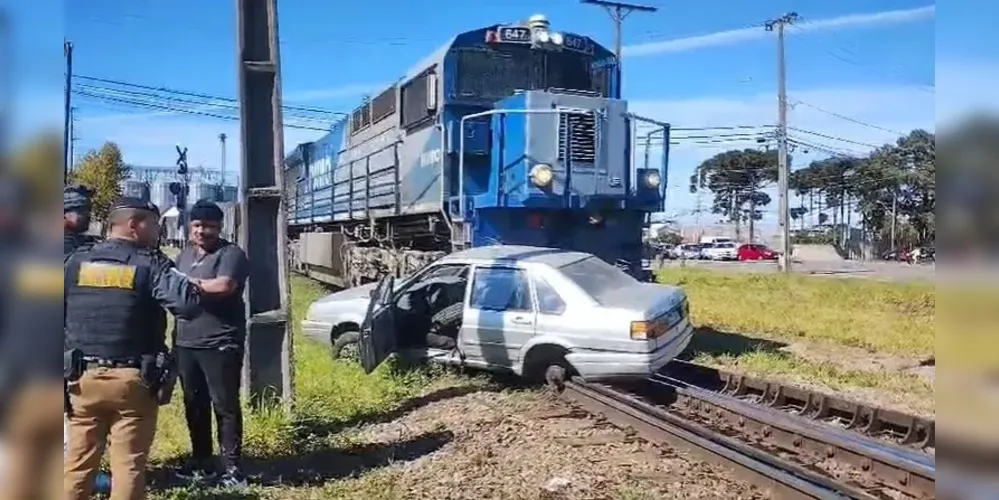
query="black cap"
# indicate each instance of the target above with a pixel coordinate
(206, 210)
(128, 202)
(75, 198)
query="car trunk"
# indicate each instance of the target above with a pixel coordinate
(652, 298)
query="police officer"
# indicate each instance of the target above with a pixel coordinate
(31, 365)
(115, 339)
(76, 207)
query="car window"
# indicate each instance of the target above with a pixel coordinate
(460, 270)
(500, 289)
(549, 301)
(597, 278)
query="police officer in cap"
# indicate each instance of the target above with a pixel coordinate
(115, 348)
(76, 218)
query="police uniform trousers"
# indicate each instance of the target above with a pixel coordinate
(32, 437)
(111, 403)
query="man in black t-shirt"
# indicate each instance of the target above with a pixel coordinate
(209, 348)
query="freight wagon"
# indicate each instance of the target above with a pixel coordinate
(508, 134)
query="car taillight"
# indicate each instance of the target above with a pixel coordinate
(645, 330)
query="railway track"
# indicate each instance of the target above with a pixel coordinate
(789, 456)
(888, 425)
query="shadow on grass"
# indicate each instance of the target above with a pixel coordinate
(314, 467)
(319, 465)
(713, 342)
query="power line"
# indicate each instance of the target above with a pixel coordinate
(199, 95)
(833, 137)
(173, 101)
(173, 109)
(846, 118)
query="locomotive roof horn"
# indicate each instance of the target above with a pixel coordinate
(538, 22)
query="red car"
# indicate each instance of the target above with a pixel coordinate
(755, 252)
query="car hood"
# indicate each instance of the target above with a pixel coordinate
(362, 292)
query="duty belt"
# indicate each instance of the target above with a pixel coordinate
(91, 362)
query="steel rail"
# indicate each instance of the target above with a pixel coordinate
(781, 478)
(874, 463)
(901, 428)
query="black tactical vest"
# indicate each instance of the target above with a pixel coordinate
(72, 242)
(110, 309)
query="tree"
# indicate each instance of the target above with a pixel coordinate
(736, 178)
(797, 213)
(102, 171)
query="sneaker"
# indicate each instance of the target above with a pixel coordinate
(233, 479)
(197, 470)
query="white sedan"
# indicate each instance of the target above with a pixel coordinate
(721, 251)
(543, 313)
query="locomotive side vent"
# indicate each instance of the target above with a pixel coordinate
(582, 135)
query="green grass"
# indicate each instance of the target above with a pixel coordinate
(328, 396)
(889, 318)
(746, 319)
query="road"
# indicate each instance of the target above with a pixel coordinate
(883, 271)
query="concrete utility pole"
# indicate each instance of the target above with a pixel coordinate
(778, 25)
(618, 12)
(262, 232)
(67, 48)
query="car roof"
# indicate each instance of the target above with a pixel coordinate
(553, 257)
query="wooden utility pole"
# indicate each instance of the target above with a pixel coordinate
(778, 25)
(618, 12)
(262, 232)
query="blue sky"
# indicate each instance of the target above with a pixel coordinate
(873, 62)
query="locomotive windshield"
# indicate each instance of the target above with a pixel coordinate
(485, 73)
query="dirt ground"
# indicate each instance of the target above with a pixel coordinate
(853, 358)
(519, 444)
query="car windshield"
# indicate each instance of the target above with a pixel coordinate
(597, 278)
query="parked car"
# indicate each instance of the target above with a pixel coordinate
(687, 251)
(719, 251)
(755, 252)
(542, 313)
(900, 255)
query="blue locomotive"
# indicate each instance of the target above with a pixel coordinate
(509, 134)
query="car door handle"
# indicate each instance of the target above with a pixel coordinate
(520, 320)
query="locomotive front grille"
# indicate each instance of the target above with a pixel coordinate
(581, 132)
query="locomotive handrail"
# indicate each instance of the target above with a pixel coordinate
(491, 112)
(664, 128)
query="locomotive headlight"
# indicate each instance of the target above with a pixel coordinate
(541, 175)
(557, 38)
(653, 179)
(543, 36)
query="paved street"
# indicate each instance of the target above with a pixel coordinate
(884, 271)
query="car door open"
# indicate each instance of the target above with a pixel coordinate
(378, 332)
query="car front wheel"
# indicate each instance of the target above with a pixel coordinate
(345, 345)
